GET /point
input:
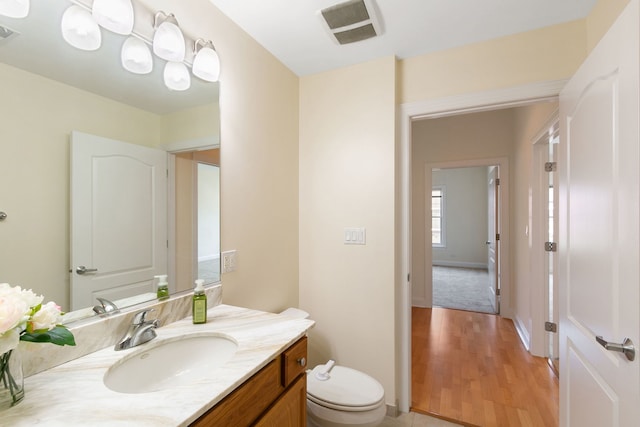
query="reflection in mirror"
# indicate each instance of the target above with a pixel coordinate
(51, 89)
(197, 222)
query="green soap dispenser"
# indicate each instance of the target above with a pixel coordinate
(162, 287)
(199, 303)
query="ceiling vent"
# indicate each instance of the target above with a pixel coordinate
(6, 34)
(351, 21)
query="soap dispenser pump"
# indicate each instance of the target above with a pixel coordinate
(162, 287)
(199, 303)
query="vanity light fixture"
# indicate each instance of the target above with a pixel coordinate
(79, 29)
(176, 76)
(136, 56)
(206, 64)
(14, 8)
(114, 15)
(168, 40)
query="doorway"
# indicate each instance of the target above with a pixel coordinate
(195, 221)
(464, 222)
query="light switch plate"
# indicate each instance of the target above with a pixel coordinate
(355, 236)
(229, 261)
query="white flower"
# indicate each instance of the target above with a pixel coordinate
(46, 318)
(14, 308)
(9, 340)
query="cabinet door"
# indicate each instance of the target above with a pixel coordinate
(290, 410)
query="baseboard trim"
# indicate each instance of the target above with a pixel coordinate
(392, 411)
(419, 302)
(523, 334)
(459, 264)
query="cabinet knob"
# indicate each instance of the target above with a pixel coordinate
(302, 362)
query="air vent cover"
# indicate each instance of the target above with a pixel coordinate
(6, 33)
(351, 21)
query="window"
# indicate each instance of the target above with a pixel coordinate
(437, 217)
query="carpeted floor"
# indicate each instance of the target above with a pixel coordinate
(462, 289)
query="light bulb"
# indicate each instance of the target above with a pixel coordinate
(114, 15)
(136, 56)
(206, 64)
(79, 29)
(176, 76)
(168, 40)
(14, 8)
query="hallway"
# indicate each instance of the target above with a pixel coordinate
(472, 368)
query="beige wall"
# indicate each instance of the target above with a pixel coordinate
(347, 180)
(465, 216)
(550, 53)
(604, 13)
(259, 156)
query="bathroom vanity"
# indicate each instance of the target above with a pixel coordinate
(276, 396)
(262, 384)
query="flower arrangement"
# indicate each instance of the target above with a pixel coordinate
(23, 317)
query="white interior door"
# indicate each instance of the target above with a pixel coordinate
(493, 241)
(118, 218)
(599, 236)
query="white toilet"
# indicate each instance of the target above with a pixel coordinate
(338, 396)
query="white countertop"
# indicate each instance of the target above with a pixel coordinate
(73, 394)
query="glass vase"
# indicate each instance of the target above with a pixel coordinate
(11, 379)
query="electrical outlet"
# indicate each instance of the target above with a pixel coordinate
(229, 261)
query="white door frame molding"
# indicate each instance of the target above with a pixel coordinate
(433, 108)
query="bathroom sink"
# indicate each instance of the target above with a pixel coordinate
(163, 364)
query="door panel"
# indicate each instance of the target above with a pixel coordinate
(599, 236)
(119, 218)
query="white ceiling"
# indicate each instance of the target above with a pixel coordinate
(292, 30)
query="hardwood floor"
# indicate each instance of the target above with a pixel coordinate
(472, 368)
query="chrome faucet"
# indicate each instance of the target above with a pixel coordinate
(140, 331)
(106, 307)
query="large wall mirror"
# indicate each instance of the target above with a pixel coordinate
(53, 93)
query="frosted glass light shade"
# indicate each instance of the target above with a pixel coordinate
(176, 76)
(79, 29)
(14, 8)
(136, 56)
(114, 15)
(168, 42)
(206, 65)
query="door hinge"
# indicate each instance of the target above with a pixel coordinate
(408, 277)
(550, 246)
(497, 236)
(497, 181)
(497, 292)
(550, 167)
(550, 327)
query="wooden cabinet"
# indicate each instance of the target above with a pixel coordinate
(273, 397)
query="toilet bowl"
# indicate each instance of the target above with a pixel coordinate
(338, 396)
(344, 397)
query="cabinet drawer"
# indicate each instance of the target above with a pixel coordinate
(294, 361)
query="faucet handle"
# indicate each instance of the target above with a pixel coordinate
(141, 316)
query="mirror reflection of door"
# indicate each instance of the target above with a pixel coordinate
(197, 217)
(119, 220)
(459, 219)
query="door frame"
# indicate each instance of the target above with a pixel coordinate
(539, 294)
(172, 149)
(503, 167)
(433, 108)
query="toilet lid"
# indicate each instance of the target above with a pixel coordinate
(346, 389)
